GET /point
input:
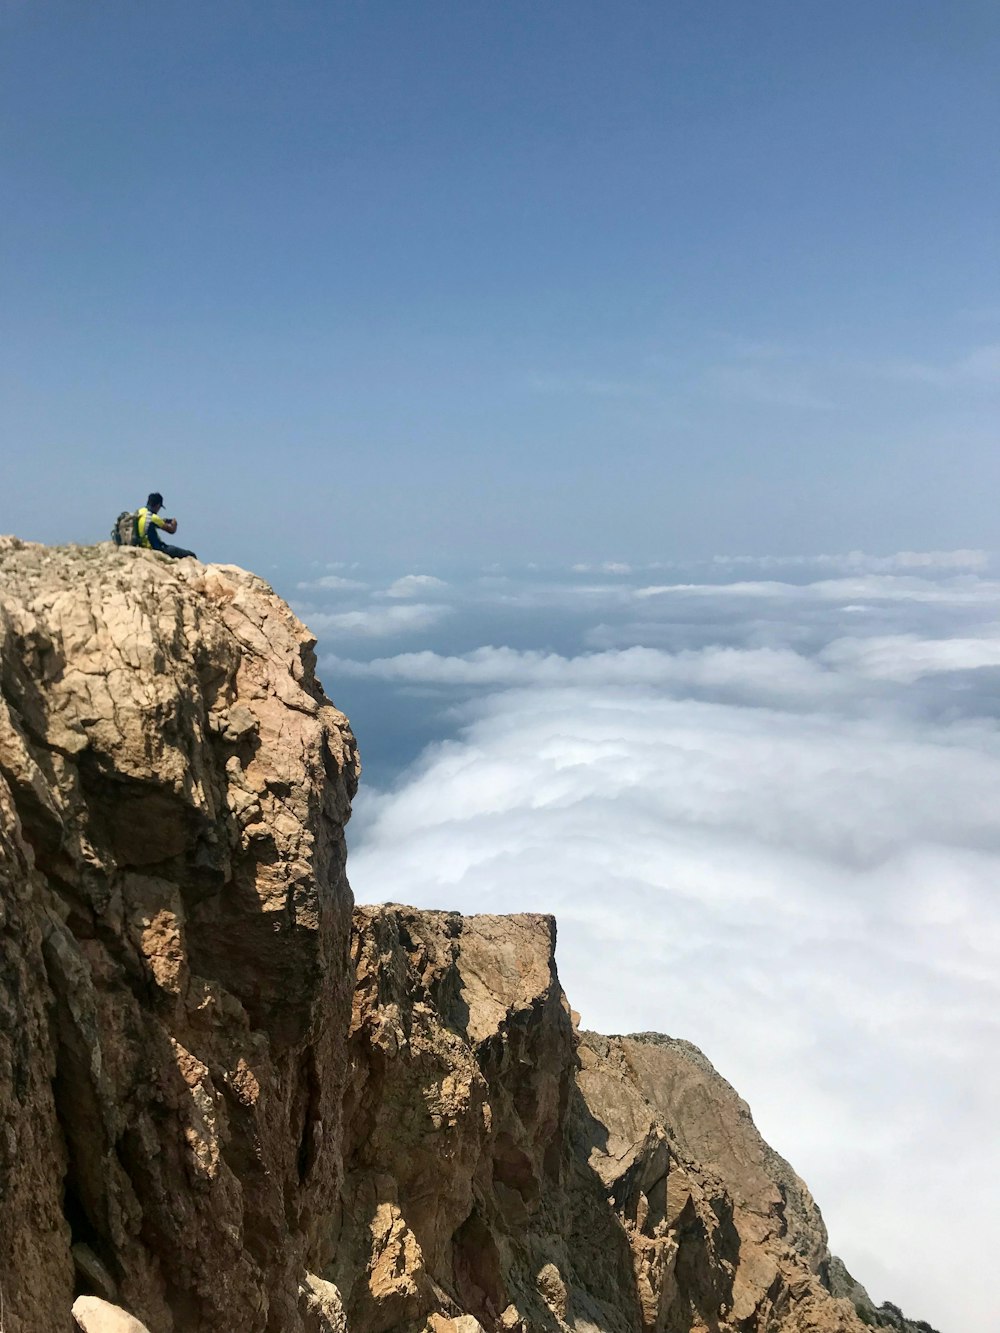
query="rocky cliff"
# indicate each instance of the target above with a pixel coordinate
(227, 1108)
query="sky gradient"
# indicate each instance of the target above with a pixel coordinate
(633, 281)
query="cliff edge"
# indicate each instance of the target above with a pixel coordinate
(174, 974)
(229, 1105)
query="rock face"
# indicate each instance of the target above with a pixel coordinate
(174, 975)
(225, 1109)
(719, 1224)
(499, 1166)
(463, 1196)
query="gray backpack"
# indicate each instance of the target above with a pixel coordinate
(126, 529)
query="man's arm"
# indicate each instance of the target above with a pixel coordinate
(153, 524)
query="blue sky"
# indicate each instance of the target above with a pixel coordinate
(576, 280)
(561, 363)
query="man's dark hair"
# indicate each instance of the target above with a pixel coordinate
(155, 498)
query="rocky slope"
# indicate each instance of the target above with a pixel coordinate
(225, 1109)
(720, 1224)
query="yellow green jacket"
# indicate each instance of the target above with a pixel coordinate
(147, 522)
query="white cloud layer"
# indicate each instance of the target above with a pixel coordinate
(788, 855)
(332, 583)
(375, 622)
(839, 675)
(863, 588)
(861, 561)
(414, 585)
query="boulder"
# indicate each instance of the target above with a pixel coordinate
(93, 1315)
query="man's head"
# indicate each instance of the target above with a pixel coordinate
(155, 501)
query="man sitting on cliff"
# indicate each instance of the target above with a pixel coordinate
(148, 520)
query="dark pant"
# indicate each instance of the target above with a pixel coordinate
(178, 552)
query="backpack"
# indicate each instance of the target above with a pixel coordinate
(126, 529)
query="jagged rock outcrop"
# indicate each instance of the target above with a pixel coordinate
(720, 1225)
(499, 1166)
(174, 975)
(225, 1109)
(463, 1196)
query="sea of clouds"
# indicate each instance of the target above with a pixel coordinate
(761, 797)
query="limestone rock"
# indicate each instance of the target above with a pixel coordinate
(720, 1225)
(457, 1132)
(501, 1166)
(321, 1306)
(174, 928)
(96, 1316)
(461, 1065)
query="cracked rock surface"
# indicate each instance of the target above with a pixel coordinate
(501, 1167)
(174, 973)
(724, 1234)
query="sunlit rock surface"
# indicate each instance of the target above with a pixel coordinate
(175, 981)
